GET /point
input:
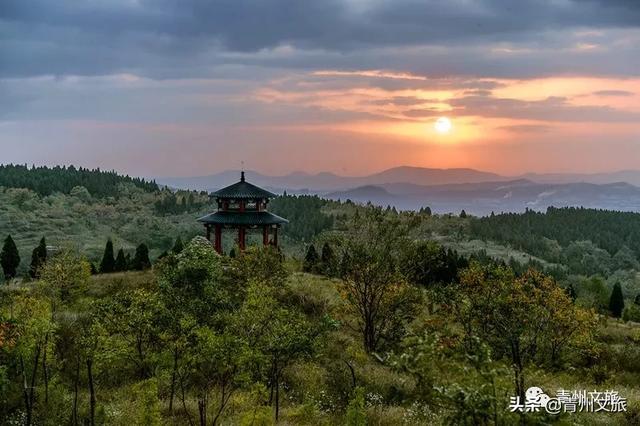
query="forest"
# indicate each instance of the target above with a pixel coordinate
(115, 310)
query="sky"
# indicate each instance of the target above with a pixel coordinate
(194, 87)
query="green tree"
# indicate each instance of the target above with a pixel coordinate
(375, 291)
(178, 246)
(141, 260)
(133, 318)
(329, 261)
(121, 263)
(33, 325)
(463, 214)
(38, 258)
(616, 301)
(280, 333)
(65, 276)
(310, 263)
(108, 262)
(149, 410)
(9, 258)
(356, 410)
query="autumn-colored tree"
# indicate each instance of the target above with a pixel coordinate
(519, 316)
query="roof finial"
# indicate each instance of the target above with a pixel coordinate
(242, 172)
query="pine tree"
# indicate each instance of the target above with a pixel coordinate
(9, 258)
(616, 302)
(38, 258)
(310, 260)
(141, 258)
(108, 262)
(463, 214)
(328, 259)
(178, 246)
(121, 262)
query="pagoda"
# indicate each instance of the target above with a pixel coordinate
(242, 207)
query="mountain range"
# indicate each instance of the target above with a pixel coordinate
(447, 190)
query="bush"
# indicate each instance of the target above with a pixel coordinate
(356, 411)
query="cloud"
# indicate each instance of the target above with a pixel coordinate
(613, 93)
(552, 109)
(183, 38)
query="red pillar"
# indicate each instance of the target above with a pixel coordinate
(265, 235)
(275, 236)
(218, 239)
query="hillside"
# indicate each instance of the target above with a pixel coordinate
(46, 181)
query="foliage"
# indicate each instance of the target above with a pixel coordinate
(356, 411)
(121, 263)
(141, 260)
(311, 260)
(46, 181)
(9, 258)
(372, 284)
(304, 212)
(587, 240)
(527, 319)
(427, 263)
(65, 276)
(38, 258)
(616, 302)
(108, 262)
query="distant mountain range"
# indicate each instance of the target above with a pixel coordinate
(447, 190)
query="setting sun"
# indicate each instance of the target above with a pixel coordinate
(442, 125)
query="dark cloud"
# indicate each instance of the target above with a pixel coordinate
(193, 37)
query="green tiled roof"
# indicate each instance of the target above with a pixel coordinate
(242, 218)
(243, 190)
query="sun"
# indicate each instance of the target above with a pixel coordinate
(442, 125)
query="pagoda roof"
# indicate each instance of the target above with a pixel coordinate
(243, 190)
(242, 218)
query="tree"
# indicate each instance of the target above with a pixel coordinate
(279, 333)
(310, 263)
(32, 324)
(9, 258)
(521, 318)
(133, 317)
(427, 263)
(328, 259)
(65, 276)
(178, 246)
(356, 414)
(463, 214)
(121, 262)
(616, 302)
(375, 291)
(38, 258)
(108, 262)
(141, 260)
(571, 292)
